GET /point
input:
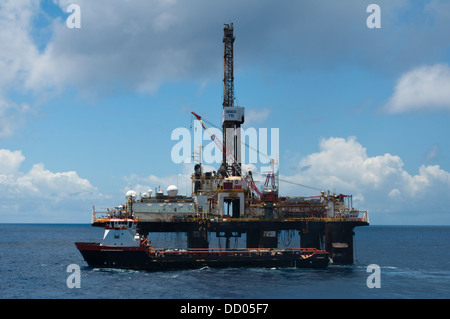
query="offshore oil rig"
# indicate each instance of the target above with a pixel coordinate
(228, 203)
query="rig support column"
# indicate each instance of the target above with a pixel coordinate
(312, 236)
(257, 238)
(339, 242)
(197, 239)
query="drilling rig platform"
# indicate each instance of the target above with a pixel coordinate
(228, 203)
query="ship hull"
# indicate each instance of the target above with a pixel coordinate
(141, 258)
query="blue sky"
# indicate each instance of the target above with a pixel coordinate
(86, 114)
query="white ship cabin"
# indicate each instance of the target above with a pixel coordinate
(121, 232)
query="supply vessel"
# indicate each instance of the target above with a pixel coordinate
(231, 202)
(122, 247)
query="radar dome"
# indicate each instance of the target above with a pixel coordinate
(172, 190)
(131, 194)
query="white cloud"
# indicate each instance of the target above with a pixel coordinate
(12, 116)
(141, 45)
(41, 192)
(10, 162)
(17, 55)
(144, 44)
(56, 186)
(423, 88)
(379, 183)
(395, 194)
(433, 153)
(137, 44)
(256, 116)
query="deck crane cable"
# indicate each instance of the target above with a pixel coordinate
(222, 148)
(210, 124)
(306, 186)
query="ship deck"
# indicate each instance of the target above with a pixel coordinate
(240, 224)
(244, 224)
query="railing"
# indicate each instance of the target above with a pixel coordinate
(233, 252)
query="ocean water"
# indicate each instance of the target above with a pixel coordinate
(414, 263)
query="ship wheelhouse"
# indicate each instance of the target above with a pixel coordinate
(121, 232)
(116, 223)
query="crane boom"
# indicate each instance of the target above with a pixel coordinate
(248, 178)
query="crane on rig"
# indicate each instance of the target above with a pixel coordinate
(232, 119)
(237, 168)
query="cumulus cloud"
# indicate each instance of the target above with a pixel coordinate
(17, 55)
(18, 51)
(433, 153)
(40, 191)
(141, 45)
(12, 116)
(378, 183)
(10, 161)
(256, 116)
(423, 88)
(137, 44)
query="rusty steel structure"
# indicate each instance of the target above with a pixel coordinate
(228, 80)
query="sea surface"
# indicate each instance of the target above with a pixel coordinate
(414, 262)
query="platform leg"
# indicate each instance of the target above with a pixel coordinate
(197, 239)
(257, 238)
(339, 242)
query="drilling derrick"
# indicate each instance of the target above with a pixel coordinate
(233, 116)
(228, 78)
